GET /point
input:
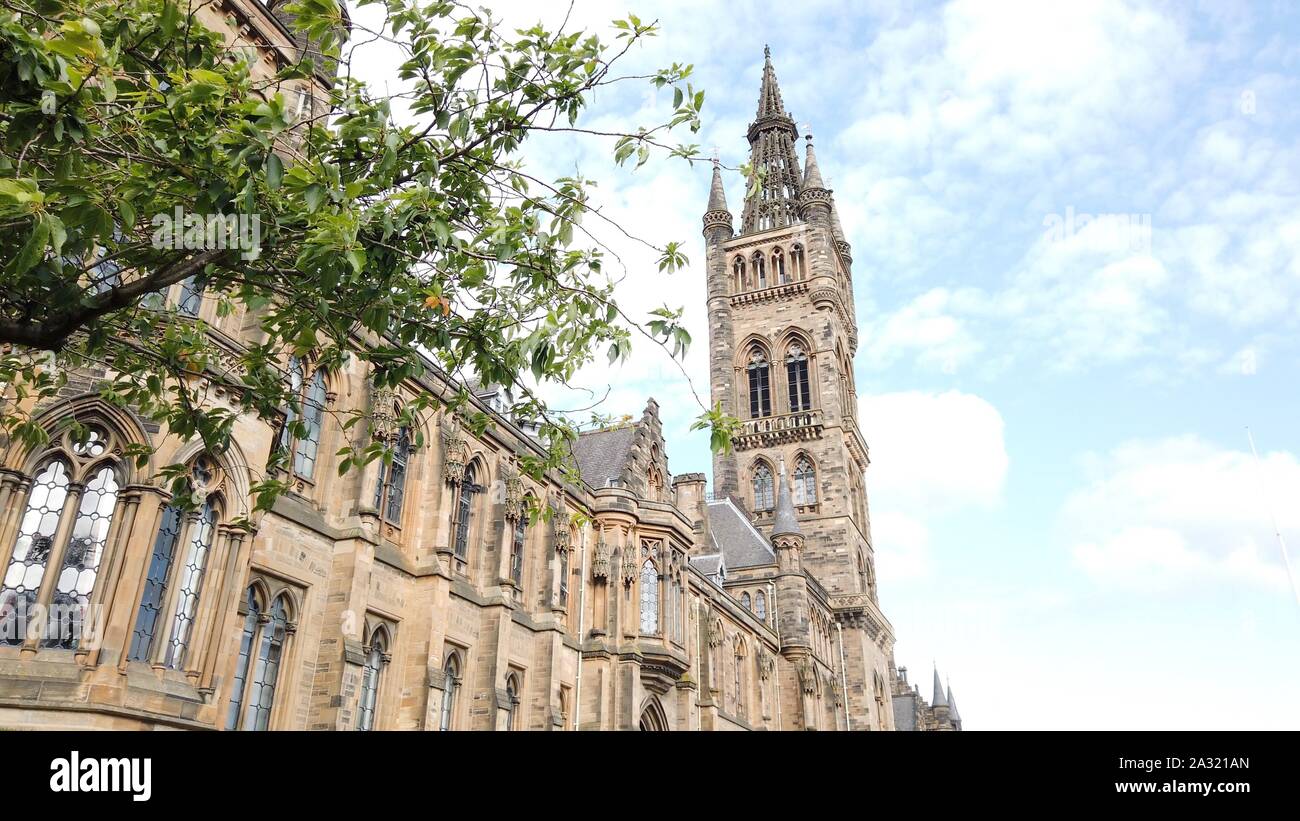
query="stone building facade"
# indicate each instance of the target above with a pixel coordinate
(422, 596)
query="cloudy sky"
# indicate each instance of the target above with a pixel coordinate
(1076, 235)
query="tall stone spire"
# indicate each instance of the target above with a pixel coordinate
(812, 174)
(785, 522)
(717, 215)
(940, 699)
(952, 706)
(772, 156)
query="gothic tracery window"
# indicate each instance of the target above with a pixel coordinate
(764, 488)
(370, 679)
(796, 370)
(261, 656)
(760, 389)
(512, 702)
(75, 488)
(805, 482)
(760, 270)
(779, 276)
(738, 273)
(746, 602)
(649, 598)
(450, 684)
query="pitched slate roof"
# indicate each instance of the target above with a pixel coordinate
(735, 537)
(602, 454)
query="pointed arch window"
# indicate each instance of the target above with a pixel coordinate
(760, 605)
(517, 544)
(738, 273)
(796, 371)
(512, 702)
(745, 600)
(261, 655)
(303, 439)
(370, 679)
(760, 270)
(390, 492)
(779, 276)
(65, 524)
(805, 482)
(190, 577)
(450, 684)
(760, 387)
(764, 488)
(564, 577)
(649, 599)
(797, 263)
(469, 488)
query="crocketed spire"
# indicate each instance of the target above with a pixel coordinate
(772, 157)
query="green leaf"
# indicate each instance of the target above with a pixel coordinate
(32, 251)
(274, 171)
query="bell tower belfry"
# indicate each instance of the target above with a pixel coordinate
(782, 335)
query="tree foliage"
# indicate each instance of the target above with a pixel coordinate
(387, 240)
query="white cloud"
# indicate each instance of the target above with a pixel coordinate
(1165, 515)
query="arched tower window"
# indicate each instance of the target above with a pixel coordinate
(745, 601)
(450, 684)
(805, 482)
(760, 388)
(796, 371)
(512, 702)
(764, 488)
(370, 676)
(797, 263)
(760, 270)
(390, 492)
(760, 605)
(738, 273)
(779, 276)
(649, 599)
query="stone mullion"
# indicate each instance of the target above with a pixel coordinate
(211, 598)
(13, 496)
(116, 544)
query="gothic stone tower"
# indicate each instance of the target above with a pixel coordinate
(782, 333)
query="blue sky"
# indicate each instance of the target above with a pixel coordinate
(1065, 511)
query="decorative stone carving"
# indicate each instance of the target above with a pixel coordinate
(807, 676)
(716, 634)
(600, 561)
(383, 416)
(513, 487)
(454, 453)
(560, 524)
(765, 665)
(629, 569)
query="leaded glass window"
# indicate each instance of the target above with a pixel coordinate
(805, 482)
(155, 586)
(313, 413)
(26, 570)
(649, 599)
(246, 640)
(760, 605)
(796, 371)
(564, 577)
(760, 389)
(190, 579)
(517, 549)
(764, 489)
(261, 697)
(745, 600)
(81, 559)
(370, 675)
